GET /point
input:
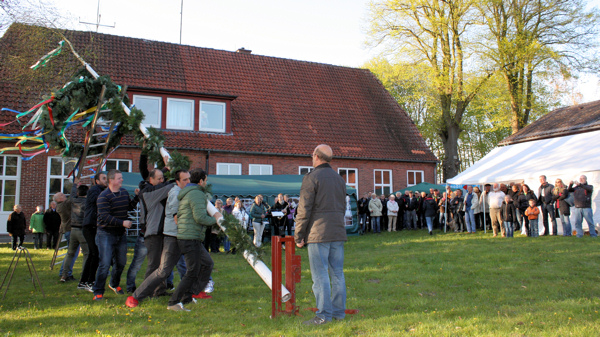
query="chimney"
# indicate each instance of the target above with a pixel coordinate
(244, 51)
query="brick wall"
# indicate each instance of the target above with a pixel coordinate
(33, 180)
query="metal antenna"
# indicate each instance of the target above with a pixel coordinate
(97, 24)
(181, 22)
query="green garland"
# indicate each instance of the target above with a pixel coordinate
(234, 230)
(238, 236)
(81, 94)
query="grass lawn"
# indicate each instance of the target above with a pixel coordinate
(405, 283)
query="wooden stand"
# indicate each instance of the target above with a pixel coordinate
(292, 275)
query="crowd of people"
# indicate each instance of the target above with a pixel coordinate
(500, 207)
(177, 231)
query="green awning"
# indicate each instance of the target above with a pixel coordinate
(423, 187)
(248, 186)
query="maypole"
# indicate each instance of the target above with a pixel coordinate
(259, 266)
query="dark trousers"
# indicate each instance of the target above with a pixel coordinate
(154, 245)
(287, 227)
(278, 224)
(88, 274)
(38, 240)
(548, 212)
(199, 266)
(51, 239)
(21, 238)
(169, 258)
(211, 241)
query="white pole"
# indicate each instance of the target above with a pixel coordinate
(259, 267)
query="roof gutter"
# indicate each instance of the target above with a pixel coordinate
(297, 155)
(191, 93)
(554, 135)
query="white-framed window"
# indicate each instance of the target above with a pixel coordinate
(350, 175)
(123, 165)
(259, 169)
(58, 170)
(152, 108)
(302, 170)
(382, 182)
(212, 116)
(180, 114)
(414, 177)
(229, 169)
(10, 169)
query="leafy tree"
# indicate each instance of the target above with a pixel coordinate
(531, 38)
(439, 35)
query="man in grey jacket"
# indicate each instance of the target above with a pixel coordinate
(170, 251)
(320, 225)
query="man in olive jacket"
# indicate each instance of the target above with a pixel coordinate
(320, 224)
(192, 220)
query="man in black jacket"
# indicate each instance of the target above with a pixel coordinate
(582, 195)
(547, 204)
(52, 222)
(90, 216)
(363, 212)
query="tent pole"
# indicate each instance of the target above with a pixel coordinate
(484, 217)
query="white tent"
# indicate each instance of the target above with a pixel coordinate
(566, 157)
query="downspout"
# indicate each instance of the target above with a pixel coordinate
(207, 159)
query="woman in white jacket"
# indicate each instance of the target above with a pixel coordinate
(240, 213)
(392, 212)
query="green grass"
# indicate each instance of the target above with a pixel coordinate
(406, 283)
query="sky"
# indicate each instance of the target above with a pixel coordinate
(324, 31)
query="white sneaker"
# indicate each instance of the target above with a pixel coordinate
(177, 307)
(210, 287)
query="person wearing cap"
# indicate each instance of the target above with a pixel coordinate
(392, 212)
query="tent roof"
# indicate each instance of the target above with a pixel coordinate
(568, 155)
(422, 187)
(242, 185)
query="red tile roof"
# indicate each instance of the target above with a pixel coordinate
(282, 106)
(560, 122)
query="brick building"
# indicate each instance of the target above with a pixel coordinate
(230, 112)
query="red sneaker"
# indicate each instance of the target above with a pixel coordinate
(202, 294)
(131, 302)
(98, 297)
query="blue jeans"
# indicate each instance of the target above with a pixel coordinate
(566, 223)
(580, 214)
(67, 236)
(327, 260)
(139, 255)
(509, 229)
(470, 220)
(533, 228)
(226, 244)
(376, 224)
(107, 245)
(429, 220)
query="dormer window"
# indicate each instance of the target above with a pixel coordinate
(151, 106)
(212, 116)
(187, 112)
(180, 114)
